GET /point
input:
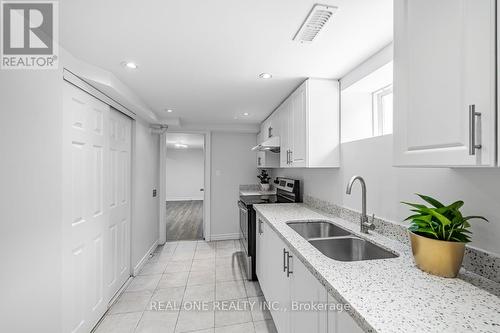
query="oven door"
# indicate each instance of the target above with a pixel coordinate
(246, 259)
(243, 225)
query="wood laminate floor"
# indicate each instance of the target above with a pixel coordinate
(184, 220)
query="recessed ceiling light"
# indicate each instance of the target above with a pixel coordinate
(170, 111)
(129, 65)
(265, 76)
(246, 114)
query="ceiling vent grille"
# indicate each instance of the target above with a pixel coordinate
(314, 23)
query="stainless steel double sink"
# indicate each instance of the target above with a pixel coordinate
(337, 243)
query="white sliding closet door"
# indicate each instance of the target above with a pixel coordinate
(96, 214)
(120, 129)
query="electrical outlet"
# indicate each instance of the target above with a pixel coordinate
(154, 193)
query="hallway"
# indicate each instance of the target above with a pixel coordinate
(184, 220)
(181, 273)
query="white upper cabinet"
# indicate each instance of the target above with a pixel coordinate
(285, 121)
(299, 127)
(307, 123)
(444, 83)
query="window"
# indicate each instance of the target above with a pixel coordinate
(382, 111)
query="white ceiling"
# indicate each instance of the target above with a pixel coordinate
(193, 141)
(202, 58)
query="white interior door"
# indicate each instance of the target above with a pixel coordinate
(120, 129)
(88, 217)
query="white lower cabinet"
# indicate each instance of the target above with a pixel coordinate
(288, 284)
(340, 321)
(306, 294)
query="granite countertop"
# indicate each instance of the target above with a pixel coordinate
(257, 192)
(388, 295)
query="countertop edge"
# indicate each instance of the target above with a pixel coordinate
(275, 223)
(329, 288)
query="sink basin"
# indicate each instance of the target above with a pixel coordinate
(350, 249)
(317, 229)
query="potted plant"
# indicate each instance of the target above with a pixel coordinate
(264, 180)
(438, 235)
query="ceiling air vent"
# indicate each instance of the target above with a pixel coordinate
(314, 23)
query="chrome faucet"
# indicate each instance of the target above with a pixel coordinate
(364, 224)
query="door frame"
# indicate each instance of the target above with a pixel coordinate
(207, 183)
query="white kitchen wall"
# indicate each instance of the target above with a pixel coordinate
(387, 186)
(357, 120)
(233, 163)
(185, 174)
(145, 214)
(30, 200)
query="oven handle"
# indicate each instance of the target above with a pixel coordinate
(242, 206)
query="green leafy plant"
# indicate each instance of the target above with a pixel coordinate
(264, 177)
(439, 221)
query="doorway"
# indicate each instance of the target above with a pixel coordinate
(185, 186)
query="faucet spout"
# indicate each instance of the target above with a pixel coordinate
(365, 225)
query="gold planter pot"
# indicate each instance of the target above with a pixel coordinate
(437, 257)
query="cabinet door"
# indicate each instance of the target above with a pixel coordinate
(298, 138)
(340, 321)
(266, 125)
(276, 123)
(286, 130)
(263, 268)
(306, 290)
(444, 66)
(277, 290)
(261, 159)
(258, 249)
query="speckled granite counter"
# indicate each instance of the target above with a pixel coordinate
(257, 192)
(390, 295)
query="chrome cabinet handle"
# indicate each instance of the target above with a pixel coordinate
(291, 156)
(270, 132)
(288, 271)
(472, 129)
(260, 227)
(285, 253)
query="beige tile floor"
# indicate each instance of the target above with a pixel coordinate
(183, 272)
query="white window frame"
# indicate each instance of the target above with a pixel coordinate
(377, 109)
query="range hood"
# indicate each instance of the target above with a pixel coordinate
(272, 144)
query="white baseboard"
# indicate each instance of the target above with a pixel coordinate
(185, 199)
(141, 262)
(224, 237)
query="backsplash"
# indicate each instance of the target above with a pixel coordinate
(250, 187)
(476, 260)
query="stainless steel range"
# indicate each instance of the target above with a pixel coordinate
(287, 191)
